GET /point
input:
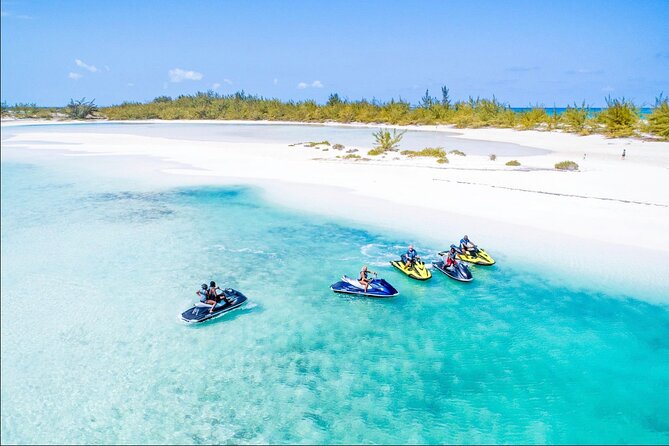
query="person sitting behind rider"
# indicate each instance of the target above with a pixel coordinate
(450, 257)
(410, 257)
(363, 279)
(203, 292)
(213, 297)
(466, 245)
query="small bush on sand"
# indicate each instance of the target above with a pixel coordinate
(338, 147)
(442, 160)
(575, 119)
(315, 143)
(386, 141)
(566, 165)
(351, 156)
(513, 163)
(492, 157)
(436, 152)
(620, 117)
(80, 109)
(658, 121)
(457, 152)
(533, 118)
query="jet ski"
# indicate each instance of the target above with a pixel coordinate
(200, 311)
(377, 288)
(416, 270)
(477, 256)
(458, 272)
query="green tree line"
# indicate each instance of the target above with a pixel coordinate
(621, 117)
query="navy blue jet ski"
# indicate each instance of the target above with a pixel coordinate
(458, 272)
(377, 288)
(200, 311)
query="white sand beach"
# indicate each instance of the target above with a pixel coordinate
(621, 204)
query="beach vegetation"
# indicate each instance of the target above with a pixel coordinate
(566, 165)
(533, 118)
(436, 152)
(576, 119)
(442, 160)
(457, 152)
(620, 117)
(81, 109)
(338, 146)
(492, 157)
(513, 163)
(658, 121)
(385, 141)
(316, 143)
(350, 156)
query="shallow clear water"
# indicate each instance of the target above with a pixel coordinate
(95, 271)
(285, 134)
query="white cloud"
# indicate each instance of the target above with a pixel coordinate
(608, 89)
(84, 65)
(276, 81)
(75, 76)
(314, 84)
(178, 75)
(130, 84)
(227, 81)
(216, 86)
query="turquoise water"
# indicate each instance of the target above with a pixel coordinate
(95, 271)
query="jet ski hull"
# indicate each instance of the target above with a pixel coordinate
(460, 273)
(378, 288)
(417, 271)
(200, 311)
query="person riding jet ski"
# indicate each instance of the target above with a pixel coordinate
(211, 297)
(410, 256)
(363, 279)
(466, 244)
(450, 258)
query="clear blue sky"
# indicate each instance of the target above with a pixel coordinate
(524, 52)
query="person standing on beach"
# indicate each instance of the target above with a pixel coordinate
(623, 157)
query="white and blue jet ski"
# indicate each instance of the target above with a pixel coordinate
(200, 311)
(377, 288)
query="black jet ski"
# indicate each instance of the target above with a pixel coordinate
(200, 311)
(458, 272)
(377, 288)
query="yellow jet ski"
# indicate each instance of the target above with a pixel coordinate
(476, 256)
(416, 271)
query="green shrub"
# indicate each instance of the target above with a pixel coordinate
(513, 163)
(80, 109)
(385, 141)
(436, 152)
(457, 152)
(338, 147)
(658, 121)
(442, 160)
(620, 117)
(566, 165)
(351, 156)
(533, 118)
(376, 152)
(575, 119)
(314, 143)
